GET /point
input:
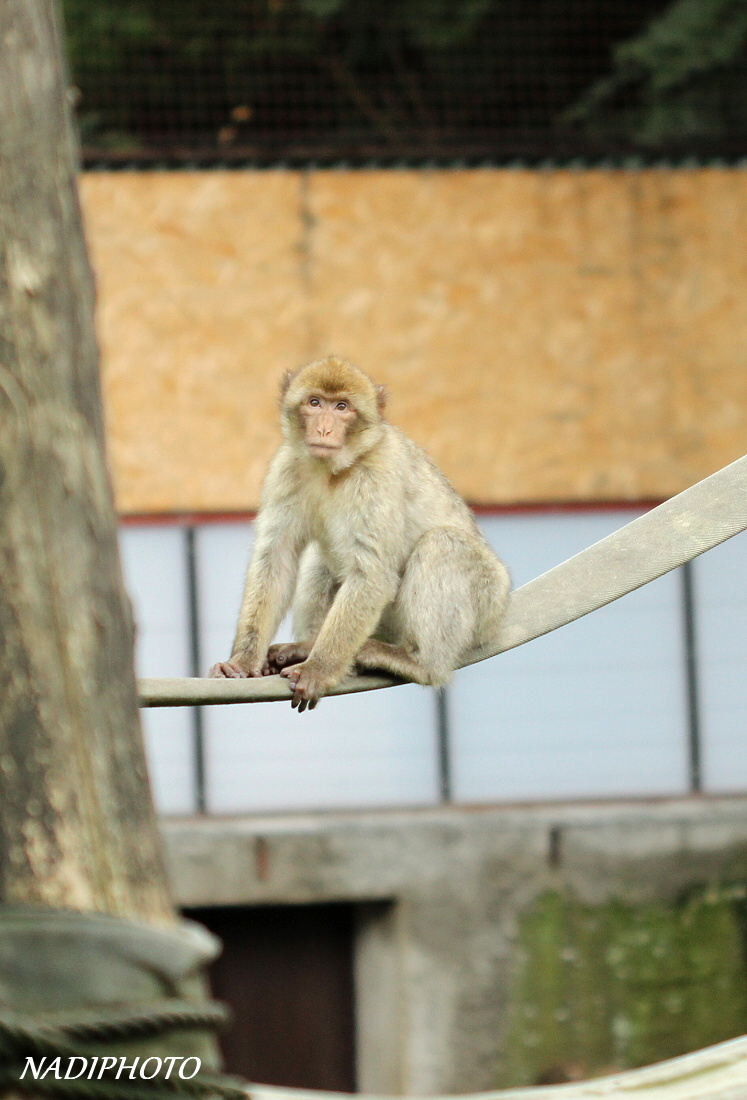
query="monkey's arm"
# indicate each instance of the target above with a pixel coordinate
(352, 618)
(269, 586)
(315, 589)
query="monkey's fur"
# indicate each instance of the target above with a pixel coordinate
(387, 564)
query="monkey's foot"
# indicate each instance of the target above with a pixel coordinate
(308, 683)
(284, 654)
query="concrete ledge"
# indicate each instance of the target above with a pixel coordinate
(442, 896)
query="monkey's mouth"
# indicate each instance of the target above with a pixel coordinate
(323, 448)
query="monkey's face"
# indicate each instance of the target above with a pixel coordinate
(327, 423)
(330, 410)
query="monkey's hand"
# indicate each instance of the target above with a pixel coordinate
(231, 670)
(285, 654)
(309, 681)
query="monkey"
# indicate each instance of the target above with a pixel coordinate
(383, 560)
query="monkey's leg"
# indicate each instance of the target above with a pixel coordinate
(315, 591)
(282, 654)
(381, 656)
(437, 601)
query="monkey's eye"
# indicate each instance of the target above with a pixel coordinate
(315, 402)
(342, 405)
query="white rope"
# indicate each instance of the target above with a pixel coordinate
(714, 1073)
(677, 531)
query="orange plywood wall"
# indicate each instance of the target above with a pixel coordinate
(548, 336)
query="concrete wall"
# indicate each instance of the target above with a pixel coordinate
(452, 933)
(548, 336)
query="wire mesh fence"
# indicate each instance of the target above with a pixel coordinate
(355, 80)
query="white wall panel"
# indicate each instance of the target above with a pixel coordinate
(154, 564)
(595, 709)
(366, 750)
(376, 749)
(720, 584)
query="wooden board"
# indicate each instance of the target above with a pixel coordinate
(549, 336)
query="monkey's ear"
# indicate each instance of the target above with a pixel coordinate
(286, 381)
(381, 398)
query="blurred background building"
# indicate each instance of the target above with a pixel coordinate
(529, 221)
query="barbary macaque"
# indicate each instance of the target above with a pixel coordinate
(382, 558)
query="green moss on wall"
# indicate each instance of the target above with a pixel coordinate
(620, 985)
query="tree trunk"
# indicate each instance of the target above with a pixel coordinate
(77, 827)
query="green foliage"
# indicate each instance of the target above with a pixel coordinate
(442, 24)
(360, 65)
(407, 74)
(322, 9)
(691, 37)
(684, 77)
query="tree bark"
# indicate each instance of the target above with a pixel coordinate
(77, 827)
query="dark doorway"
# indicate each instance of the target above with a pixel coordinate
(287, 973)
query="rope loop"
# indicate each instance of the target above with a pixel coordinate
(87, 1035)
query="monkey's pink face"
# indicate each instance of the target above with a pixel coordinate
(327, 422)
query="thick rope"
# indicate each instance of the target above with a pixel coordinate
(89, 1033)
(104, 1025)
(677, 531)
